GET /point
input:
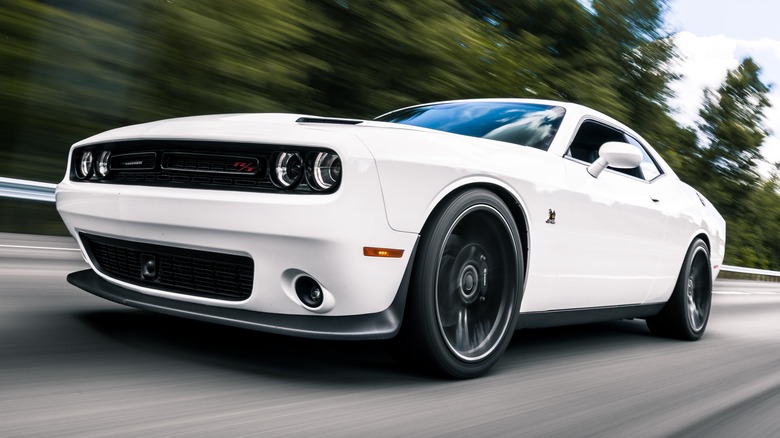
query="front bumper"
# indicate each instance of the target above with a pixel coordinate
(379, 325)
(285, 235)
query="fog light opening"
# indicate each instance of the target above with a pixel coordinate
(309, 292)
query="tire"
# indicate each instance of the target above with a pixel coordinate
(466, 288)
(687, 312)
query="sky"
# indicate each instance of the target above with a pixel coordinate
(715, 35)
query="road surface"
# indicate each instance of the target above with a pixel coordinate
(72, 364)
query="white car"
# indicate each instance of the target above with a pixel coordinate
(445, 226)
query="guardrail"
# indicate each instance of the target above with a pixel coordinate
(29, 190)
(38, 191)
(739, 273)
(749, 271)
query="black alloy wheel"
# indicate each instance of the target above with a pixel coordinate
(687, 312)
(466, 287)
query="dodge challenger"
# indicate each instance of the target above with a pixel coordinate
(443, 226)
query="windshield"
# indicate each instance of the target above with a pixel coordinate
(525, 124)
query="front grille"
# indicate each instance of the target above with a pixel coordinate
(194, 164)
(184, 271)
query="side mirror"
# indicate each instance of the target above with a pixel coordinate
(615, 154)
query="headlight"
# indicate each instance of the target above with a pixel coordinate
(288, 169)
(102, 164)
(84, 165)
(323, 171)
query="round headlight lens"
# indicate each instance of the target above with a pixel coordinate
(288, 169)
(102, 164)
(324, 171)
(84, 165)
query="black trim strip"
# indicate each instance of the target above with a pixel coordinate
(586, 316)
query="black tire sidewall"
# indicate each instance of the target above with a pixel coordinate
(681, 290)
(673, 319)
(422, 306)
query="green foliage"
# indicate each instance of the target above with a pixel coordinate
(754, 227)
(733, 122)
(725, 168)
(381, 55)
(555, 51)
(73, 68)
(642, 54)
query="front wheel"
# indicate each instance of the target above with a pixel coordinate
(466, 287)
(687, 312)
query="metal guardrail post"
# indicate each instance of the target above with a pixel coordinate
(29, 190)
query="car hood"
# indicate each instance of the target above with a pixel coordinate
(243, 128)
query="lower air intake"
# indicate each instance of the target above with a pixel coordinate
(184, 271)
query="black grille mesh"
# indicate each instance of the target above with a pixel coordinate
(191, 272)
(214, 182)
(213, 163)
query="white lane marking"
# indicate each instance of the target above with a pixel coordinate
(39, 247)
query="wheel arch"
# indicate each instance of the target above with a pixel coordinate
(703, 236)
(706, 239)
(513, 202)
(422, 339)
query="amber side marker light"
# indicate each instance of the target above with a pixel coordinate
(383, 252)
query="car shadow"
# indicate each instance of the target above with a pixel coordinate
(581, 339)
(335, 362)
(241, 349)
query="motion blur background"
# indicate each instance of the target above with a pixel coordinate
(72, 68)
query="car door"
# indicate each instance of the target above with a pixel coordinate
(610, 229)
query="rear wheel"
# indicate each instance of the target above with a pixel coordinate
(466, 287)
(687, 312)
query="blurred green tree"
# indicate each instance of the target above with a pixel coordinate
(62, 78)
(733, 124)
(555, 46)
(379, 55)
(632, 35)
(725, 169)
(753, 229)
(216, 56)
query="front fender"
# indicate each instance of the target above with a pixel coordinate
(418, 170)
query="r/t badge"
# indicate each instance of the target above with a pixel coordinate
(551, 218)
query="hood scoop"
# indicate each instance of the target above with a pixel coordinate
(329, 121)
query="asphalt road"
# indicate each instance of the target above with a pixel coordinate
(72, 364)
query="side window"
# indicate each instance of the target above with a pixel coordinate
(591, 135)
(649, 167)
(589, 138)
